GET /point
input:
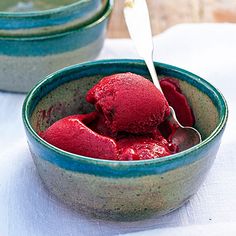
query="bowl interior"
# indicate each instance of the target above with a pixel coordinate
(32, 5)
(63, 93)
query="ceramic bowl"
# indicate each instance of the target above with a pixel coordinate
(18, 18)
(121, 190)
(26, 58)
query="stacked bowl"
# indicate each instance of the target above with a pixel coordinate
(40, 37)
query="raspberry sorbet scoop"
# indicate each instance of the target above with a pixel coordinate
(129, 103)
(72, 134)
(178, 101)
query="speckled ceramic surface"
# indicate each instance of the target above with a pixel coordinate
(24, 60)
(38, 17)
(121, 190)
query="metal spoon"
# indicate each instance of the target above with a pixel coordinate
(138, 23)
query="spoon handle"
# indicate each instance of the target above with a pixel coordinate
(138, 23)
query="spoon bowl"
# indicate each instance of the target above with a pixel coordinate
(184, 137)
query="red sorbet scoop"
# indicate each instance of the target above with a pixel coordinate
(129, 103)
(178, 101)
(143, 148)
(72, 135)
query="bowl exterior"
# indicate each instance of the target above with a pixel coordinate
(23, 62)
(124, 197)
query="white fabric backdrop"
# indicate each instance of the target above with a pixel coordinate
(208, 50)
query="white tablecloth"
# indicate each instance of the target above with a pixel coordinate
(208, 50)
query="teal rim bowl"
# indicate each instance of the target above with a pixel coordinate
(120, 190)
(36, 56)
(61, 18)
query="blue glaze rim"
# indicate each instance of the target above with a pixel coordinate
(62, 32)
(46, 12)
(118, 169)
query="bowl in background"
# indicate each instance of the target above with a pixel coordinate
(24, 18)
(120, 190)
(31, 54)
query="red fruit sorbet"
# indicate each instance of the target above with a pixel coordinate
(129, 122)
(129, 103)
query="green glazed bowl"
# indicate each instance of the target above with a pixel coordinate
(41, 17)
(120, 190)
(34, 45)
